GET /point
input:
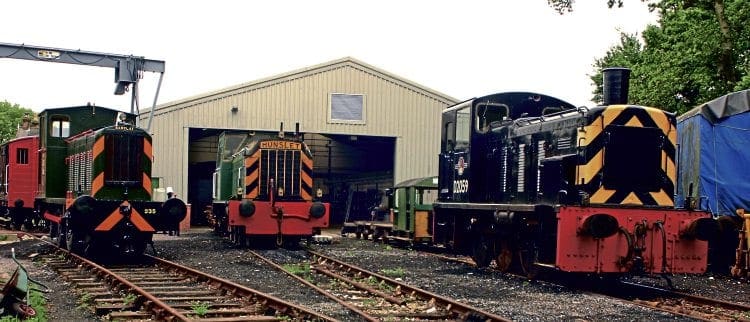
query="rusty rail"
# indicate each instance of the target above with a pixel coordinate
(245, 292)
(457, 310)
(162, 311)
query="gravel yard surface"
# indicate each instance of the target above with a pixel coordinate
(206, 252)
(513, 297)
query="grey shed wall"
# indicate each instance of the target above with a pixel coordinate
(393, 107)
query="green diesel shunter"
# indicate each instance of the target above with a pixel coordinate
(95, 182)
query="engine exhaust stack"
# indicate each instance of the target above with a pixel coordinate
(615, 85)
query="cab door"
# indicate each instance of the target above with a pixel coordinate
(454, 164)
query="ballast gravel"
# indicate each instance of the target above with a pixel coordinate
(515, 298)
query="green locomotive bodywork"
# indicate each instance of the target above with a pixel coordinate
(95, 184)
(56, 126)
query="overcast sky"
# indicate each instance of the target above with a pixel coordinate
(460, 48)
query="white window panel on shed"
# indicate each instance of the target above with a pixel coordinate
(347, 108)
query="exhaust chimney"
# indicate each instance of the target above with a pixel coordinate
(26, 121)
(615, 85)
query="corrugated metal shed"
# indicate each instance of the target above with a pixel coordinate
(392, 107)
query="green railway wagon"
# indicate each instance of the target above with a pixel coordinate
(412, 210)
(403, 215)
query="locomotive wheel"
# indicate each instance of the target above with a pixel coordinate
(72, 242)
(234, 236)
(504, 258)
(482, 252)
(62, 237)
(139, 248)
(292, 242)
(242, 237)
(527, 256)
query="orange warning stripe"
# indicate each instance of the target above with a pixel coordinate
(98, 147)
(147, 183)
(137, 219)
(97, 184)
(115, 217)
(147, 149)
(307, 161)
(110, 221)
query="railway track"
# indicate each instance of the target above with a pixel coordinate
(166, 291)
(683, 304)
(375, 297)
(670, 301)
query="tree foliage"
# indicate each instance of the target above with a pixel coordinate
(10, 118)
(697, 51)
(563, 6)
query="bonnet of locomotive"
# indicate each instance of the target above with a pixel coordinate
(627, 152)
(275, 165)
(111, 163)
(109, 173)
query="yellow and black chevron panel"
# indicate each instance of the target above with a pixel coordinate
(306, 176)
(628, 156)
(252, 178)
(287, 162)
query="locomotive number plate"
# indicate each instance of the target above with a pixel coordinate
(149, 211)
(460, 186)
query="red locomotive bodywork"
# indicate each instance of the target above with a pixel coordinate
(295, 219)
(641, 240)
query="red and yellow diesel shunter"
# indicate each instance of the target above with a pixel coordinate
(263, 189)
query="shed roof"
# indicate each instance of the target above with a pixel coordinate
(311, 70)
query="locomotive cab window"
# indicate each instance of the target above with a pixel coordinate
(59, 127)
(463, 128)
(490, 115)
(22, 156)
(551, 110)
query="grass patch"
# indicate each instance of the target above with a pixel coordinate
(84, 300)
(369, 302)
(200, 308)
(386, 287)
(129, 299)
(393, 272)
(302, 269)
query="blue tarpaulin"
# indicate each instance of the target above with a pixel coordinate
(714, 154)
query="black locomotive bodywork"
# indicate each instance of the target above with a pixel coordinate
(532, 181)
